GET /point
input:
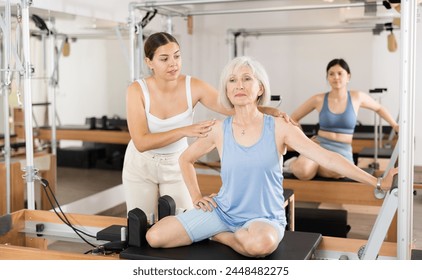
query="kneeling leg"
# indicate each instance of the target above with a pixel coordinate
(168, 233)
(258, 240)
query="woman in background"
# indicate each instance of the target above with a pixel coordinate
(338, 111)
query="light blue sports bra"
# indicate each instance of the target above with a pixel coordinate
(339, 123)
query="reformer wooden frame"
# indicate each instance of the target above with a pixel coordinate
(95, 135)
(20, 244)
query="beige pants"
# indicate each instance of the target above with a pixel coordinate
(147, 176)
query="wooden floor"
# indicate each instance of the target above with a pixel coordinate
(75, 184)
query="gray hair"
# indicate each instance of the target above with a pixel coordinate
(257, 70)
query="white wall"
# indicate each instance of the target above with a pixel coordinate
(92, 79)
(296, 63)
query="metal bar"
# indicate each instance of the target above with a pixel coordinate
(139, 48)
(169, 25)
(132, 31)
(52, 91)
(8, 45)
(179, 3)
(407, 126)
(154, 4)
(168, 11)
(230, 43)
(28, 105)
(393, 159)
(376, 140)
(56, 231)
(276, 9)
(248, 32)
(380, 229)
(302, 30)
(6, 91)
(6, 148)
(392, 133)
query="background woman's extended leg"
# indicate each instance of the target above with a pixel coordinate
(304, 168)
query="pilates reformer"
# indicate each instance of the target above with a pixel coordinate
(25, 224)
(295, 245)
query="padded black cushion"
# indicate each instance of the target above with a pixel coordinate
(294, 246)
(79, 157)
(416, 254)
(328, 222)
(166, 206)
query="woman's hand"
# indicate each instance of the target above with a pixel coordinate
(387, 181)
(205, 203)
(199, 130)
(288, 119)
(278, 114)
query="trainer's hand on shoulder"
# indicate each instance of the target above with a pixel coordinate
(199, 130)
(287, 118)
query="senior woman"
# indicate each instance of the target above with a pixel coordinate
(247, 214)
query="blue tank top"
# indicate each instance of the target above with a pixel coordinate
(252, 178)
(339, 123)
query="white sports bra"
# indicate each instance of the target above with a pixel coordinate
(156, 124)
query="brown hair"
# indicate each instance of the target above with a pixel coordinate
(155, 41)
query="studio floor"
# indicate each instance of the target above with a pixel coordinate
(74, 185)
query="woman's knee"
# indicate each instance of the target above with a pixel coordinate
(304, 175)
(261, 245)
(158, 235)
(154, 237)
(304, 168)
(168, 233)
